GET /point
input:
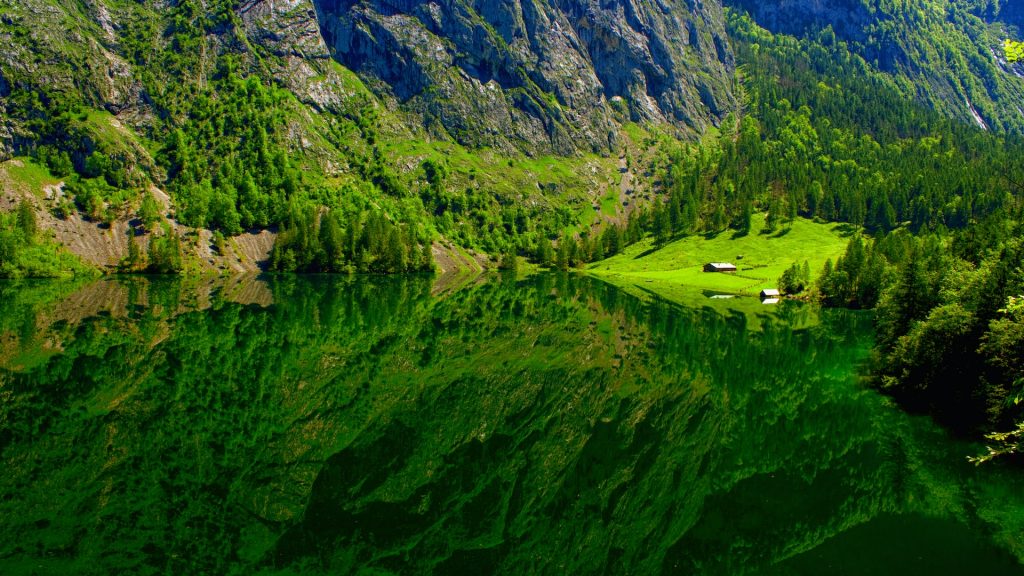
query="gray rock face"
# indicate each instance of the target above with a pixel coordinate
(539, 75)
(288, 29)
(847, 17)
(5, 87)
(6, 138)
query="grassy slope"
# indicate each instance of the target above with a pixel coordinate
(678, 265)
(26, 176)
(45, 257)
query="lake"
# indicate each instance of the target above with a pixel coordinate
(548, 425)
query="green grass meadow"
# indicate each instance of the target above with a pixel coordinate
(761, 258)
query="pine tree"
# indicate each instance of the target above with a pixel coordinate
(562, 259)
(27, 221)
(616, 241)
(134, 261)
(165, 253)
(597, 251)
(742, 223)
(660, 226)
(332, 240)
(149, 212)
(544, 252)
(509, 261)
(353, 234)
(426, 260)
(394, 257)
(9, 247)
(634, 228)
(718, 221)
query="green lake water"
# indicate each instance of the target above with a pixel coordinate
(550, 425)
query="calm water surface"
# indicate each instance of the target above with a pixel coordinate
(553, 425)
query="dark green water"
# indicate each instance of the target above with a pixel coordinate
(554, 425)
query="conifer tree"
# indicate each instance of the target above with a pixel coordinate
(509, 261)
(597, 249)
(332, 240)
(134, 260)
(661, 228)
(27, 221)
(426, 260)
(544, 252)
(562, 259)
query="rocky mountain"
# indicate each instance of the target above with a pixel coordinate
(523, 75)
(500, 73)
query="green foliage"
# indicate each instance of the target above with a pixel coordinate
(27, 221)
(828, 139)
(545, 255)
(315, 241)
(796, 278)
(1014, 50)
(149, 212)
(10, 244)
(57, 161)
(227, 166)
(950, 333)
(26, 252)
(825, 138)
(164, 256)
(97, 199)
(934, 52)
(509, 261)
(207, 405)
(135, 261)
(612, 240)
(858, 277)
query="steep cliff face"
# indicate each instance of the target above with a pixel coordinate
(290, 32)
(554, 75)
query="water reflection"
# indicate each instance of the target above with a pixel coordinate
(554, 425)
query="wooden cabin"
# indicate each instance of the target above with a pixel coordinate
(770, 293)
(719, 267)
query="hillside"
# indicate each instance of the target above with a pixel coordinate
(945, 54)
(377, 136)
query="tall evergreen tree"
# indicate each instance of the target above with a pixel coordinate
(27, 221)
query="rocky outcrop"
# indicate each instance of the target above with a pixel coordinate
(289, 30)
(846, 17)
(552, 76)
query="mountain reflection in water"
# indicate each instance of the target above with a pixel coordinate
(550, 425)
